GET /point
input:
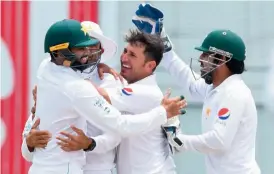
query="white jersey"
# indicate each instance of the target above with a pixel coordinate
(102, 157)
(66, 99)
(105, 151)
(145, 153)
(229, 121)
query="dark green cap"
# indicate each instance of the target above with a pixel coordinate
(224, 42)
(67, 33)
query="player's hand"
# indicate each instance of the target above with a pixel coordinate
(174, 106)
(37, 138)
(74, 142)
(149, 19)
(103, 68)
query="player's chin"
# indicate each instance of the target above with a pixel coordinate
(203, 72)
(125, 72)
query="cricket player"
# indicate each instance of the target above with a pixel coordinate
(229, 115)
(149, 152)
(104, 152)
(65, 99)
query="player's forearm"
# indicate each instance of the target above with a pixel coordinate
(28, 126)
(178, 69)
(221, 136)
(106, 142)
(109, 119)
(209, 142)
(104, 93)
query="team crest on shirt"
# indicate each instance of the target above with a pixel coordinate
(208, 112)
(127, 91)
(224, 114)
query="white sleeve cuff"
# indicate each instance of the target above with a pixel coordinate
(25, 151)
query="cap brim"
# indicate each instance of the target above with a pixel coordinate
(109, 46)
(88, 43)
(201, 49)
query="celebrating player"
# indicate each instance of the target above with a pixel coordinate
(229, 113)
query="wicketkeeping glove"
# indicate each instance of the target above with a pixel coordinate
(171, 128)
(171, 134)
(149, 19)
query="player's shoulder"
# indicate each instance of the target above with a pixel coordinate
(79, 88)
(109, 81)
(43, 64)
(146, 92)
(45, 60)
(108, 77)
(238, 91)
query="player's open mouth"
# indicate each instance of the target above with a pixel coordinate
(84, 59)
(126, 66)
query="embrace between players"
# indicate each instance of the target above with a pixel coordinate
(88, 119)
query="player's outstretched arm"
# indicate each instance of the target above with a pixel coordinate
(227, 121)
(150, 19)
(86, 100)
(178, 69)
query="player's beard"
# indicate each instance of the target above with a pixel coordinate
(78, 65)
(207, 76)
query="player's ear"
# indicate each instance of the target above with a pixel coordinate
(59, 58)
(151, 65)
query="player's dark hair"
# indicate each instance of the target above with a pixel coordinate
(154, 47)
(235, 66)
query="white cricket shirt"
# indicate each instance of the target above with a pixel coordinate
(103, 155)
(145, 153)
(229, 121)
(65, 99)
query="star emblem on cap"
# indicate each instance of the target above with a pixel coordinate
(84, 29)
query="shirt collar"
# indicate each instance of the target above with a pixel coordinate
(228, 81)
(149, 80)
(48, 69)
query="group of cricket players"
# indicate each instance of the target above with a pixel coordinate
(89, 119)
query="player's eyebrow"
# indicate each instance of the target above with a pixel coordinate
(131, 52)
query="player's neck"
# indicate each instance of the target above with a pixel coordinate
(219, 77)
(139, 79)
